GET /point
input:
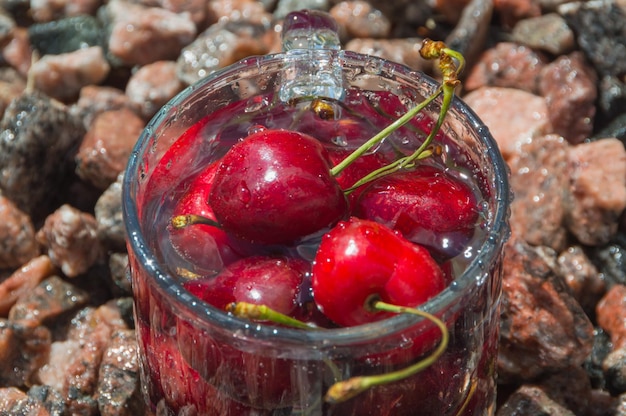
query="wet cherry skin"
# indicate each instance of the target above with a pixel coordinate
(361, 259)
(275, 187)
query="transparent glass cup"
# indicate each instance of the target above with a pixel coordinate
(197, 359)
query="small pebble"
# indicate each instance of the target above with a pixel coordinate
(514, 116)
(62, 76)
(569, 87)
(66, 35)
(152, 86)
(359, 19)
(508, 65)
(71, 240)
(138, 36)
(403, 51)
(549, 33)
(597, 190)
(105, 149)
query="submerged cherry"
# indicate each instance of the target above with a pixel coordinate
(275, 187)
(426, 204)
(261, 280)
(359, 261)
(206, 247)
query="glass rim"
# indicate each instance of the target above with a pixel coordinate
(181, 300)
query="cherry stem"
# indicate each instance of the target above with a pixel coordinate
(255, 312)
(182, 221)
(347, 389)
(451, 63)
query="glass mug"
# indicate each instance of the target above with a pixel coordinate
(199, 360)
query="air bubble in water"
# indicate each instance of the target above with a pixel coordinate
(340, 141)
(373, 66)
(256, 103)
(256, 128)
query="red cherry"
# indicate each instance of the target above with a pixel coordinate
(207, 247)
(427, 205)
(275, 187)
(179, 385)
(251, 377)
(361, 259)
(260, 280)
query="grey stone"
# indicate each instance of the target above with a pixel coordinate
(600, 27)
(66, 35)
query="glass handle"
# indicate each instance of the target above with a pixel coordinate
(310, 29)
(309, 40)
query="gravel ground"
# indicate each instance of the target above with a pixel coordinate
(80, 79)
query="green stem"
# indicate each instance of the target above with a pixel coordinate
(421, 153)
(451, 63)
(344, 390)
(181, 221)
(365, 147)
(264, 313)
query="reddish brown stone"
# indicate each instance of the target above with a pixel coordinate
(543, 328)
(105, 149)
(569, 87)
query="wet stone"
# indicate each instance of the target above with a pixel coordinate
(17, 52)
(582, 277)
(36, 136)
(597, 190)
(549, 33)
(610, 259)
(49, 398)
(117, 392)
(612, 103)
(593, 364)
(610, 312)
(614, 366)
(359, 19)
(569, 87)
(118, 266)
(197, 9)
(153, 85)
(539, 180)
(543, 328)
(49, 10)
(137, 36)
(108, 213)
(470, 34)
(222, 44)
(513, 116)
(23, 348)
(71, 239)
(249, 10)
(404, 51)
(570, 388)
(50, 299)
(63, 76)
(66, 35)
(601, 33)
(532, 400)
(15, 402)
(508, 65)
(21, 282)
(105, 149)
(94, 99)
(17, 236)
